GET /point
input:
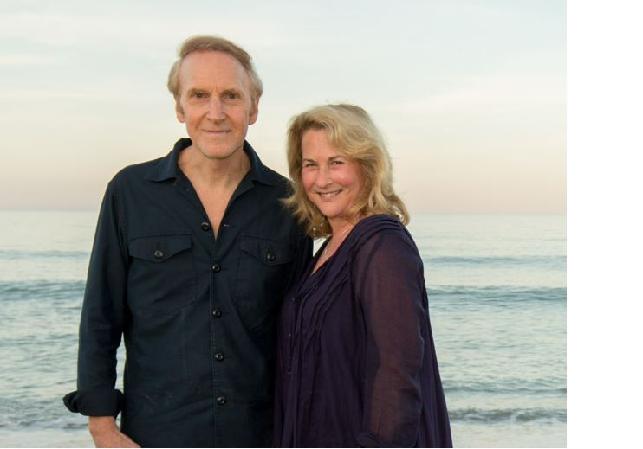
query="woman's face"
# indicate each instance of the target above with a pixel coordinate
(331, 180)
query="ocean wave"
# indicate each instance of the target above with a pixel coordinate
(497, 293)
(13, 290)
(495, 388)
(25, 412)
(21, 290)
(555, 260)
(473, 414)
(10, 254)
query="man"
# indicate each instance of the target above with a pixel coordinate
(191, 259)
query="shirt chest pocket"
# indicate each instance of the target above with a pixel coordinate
(262, 275)
(161, 277)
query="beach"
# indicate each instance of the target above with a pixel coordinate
(497, 300)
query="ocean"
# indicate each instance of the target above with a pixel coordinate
(497, 299)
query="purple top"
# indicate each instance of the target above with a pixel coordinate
(356, 365)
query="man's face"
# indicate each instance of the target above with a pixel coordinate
(215, 103)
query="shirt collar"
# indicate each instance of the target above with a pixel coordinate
(168, 167)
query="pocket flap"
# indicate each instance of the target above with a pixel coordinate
(159, 248)
(268, 251)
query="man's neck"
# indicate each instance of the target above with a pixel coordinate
(214, 173)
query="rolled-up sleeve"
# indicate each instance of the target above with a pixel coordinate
(101, 322)
(389, 289)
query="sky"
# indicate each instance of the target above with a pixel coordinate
(469, 95)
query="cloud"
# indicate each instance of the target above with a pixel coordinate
(121, 29)
(502, 90)
(19, 60)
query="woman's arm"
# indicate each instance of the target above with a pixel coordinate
(389, 288)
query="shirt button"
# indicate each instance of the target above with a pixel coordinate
(158, 254)
(216, 267)
(221, 400)
(205, 226)
(217, 313)
(270, 257)
(218, 356)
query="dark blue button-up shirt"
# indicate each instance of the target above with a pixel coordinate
(197, 312)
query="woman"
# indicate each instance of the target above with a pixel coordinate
(356, 362)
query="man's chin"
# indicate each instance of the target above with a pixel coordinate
(217, 152)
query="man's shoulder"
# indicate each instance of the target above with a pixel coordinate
(137, 172)
(276, 178)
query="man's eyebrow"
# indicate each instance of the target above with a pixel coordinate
(232, 90)
(194, 90)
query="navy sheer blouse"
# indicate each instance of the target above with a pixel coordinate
(356, 360)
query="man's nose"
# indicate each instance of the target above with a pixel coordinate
(215, 109)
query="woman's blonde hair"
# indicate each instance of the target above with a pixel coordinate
(352, 132)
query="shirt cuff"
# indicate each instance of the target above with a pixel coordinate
(100, 402)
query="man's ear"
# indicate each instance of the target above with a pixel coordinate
(180, 114)
(254, 111)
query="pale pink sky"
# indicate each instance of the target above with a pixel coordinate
(469, 95)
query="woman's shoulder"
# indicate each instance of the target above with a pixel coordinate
(382, 236)
(385, 256)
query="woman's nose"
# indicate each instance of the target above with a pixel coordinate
(323, 177)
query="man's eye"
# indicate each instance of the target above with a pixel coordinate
(200, 95)
(337, 162)
(308, 164)
(231, 95)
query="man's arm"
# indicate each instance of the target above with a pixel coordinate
(304, 253)
(105, 433)
(101, 325)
